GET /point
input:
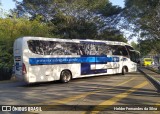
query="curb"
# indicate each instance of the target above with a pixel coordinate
(155, 82)
(152, 69)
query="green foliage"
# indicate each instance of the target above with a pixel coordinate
(70, 27)
(76, 19)
(110, 10)
(48, 8)
(135, 45)
(12, 28)
(149, 45)
(145, 47)
(6, 58)
(112, 35)
(145, 16)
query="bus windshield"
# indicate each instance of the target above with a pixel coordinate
(134, 55)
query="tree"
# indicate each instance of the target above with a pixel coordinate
(48, 8)
(145, 15)
(135, 45)
(70, 27)
(148, 46)
(112, 35)
(74, 18)
(12, 28)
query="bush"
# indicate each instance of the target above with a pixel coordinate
(12, 28)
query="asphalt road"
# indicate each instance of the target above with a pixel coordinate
(131, 93)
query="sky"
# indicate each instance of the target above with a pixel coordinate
(9, 4)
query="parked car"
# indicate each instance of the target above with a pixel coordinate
(147, 61)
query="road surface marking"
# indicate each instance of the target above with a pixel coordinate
(72, 98)
(117, 98)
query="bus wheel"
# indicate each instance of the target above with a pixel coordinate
(124, 70)
(65, 76)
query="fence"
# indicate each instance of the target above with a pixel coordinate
(5, 73)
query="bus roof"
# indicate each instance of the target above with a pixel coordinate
(75, 40)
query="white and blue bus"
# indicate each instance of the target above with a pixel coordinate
(38, 59)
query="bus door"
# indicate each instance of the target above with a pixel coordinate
(101, 62)
(88, 64)
(133, 58)
(101, 58)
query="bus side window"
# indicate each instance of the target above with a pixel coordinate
(119, 50)
(74, 48)
(115, 50)
(88, 48)
(102, 49)
(81, 50)
(124, 51)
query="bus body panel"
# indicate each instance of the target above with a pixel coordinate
(44, 73)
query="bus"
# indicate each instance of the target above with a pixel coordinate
(38, 59)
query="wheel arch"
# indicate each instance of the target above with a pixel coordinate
(124, 70)
(126, 67)
(65, 70)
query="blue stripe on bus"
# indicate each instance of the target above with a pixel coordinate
(85, 61)
(86, 69)
(71, 60)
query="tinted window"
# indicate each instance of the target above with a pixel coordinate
(119, 50)
(53, 48)
(68, 48)
(88, 48)
(96, 49)
(129, 47)
(132, 53)
(103, 49)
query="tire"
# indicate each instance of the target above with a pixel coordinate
(65, 76)
(124, 71)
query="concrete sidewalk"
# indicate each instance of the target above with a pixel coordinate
(154, 68)
(153, 76)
